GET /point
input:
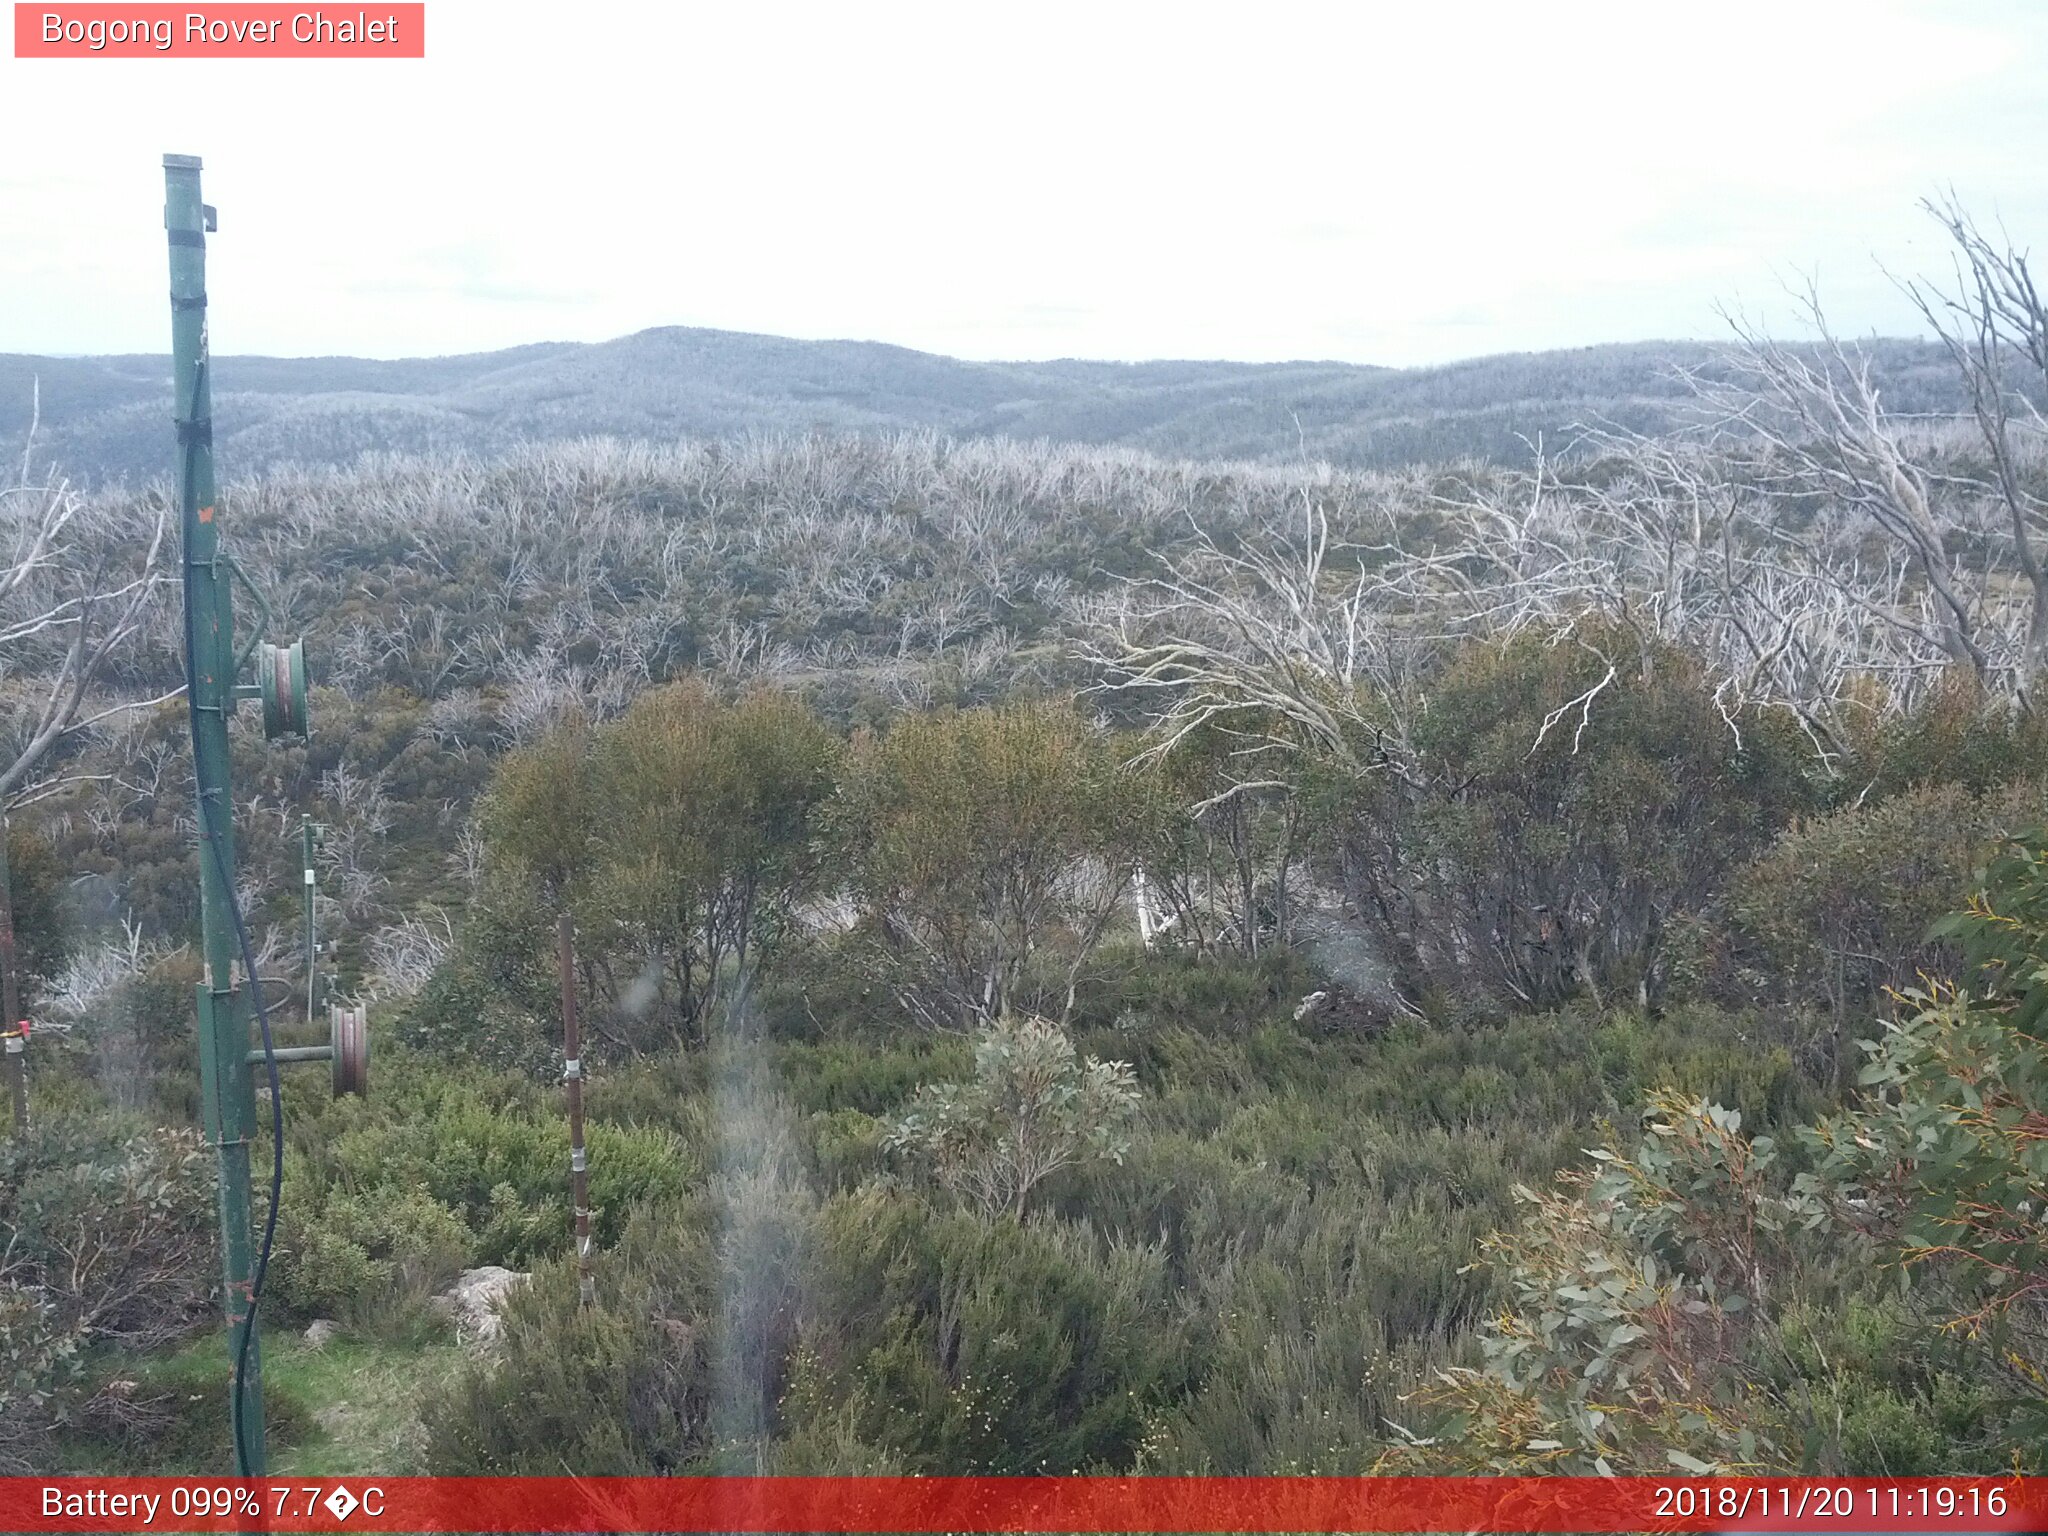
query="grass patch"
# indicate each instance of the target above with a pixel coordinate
(362, 1399)
(348, 1409)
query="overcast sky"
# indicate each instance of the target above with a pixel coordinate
(1374, 182)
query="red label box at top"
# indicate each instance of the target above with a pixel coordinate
(222, 31)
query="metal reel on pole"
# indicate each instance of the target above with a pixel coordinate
(281, 675)
(349, 1036)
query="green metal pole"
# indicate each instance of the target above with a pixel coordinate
(228, 1084)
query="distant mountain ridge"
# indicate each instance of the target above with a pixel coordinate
(107, 418)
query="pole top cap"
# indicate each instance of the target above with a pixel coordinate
(182, 163)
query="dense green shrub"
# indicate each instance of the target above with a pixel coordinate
(1876, 1394)
(1568, 801)
(821, 986)
(874, 1074)
(39, 1369)
(679, 1365)
(1637, 1289)
(1693, 1302)
(1306, 1331)
(619, 1388)
(1957, 735)
(988, 851)
(958, 1346)
(139, 1037)
(496, 1155)
(42, 924)
(682, 838)
(1949, 1147)
(493, 1000)
(112, 1224)
(1297, 1217)
(1686, 1303)
(1841, 906)
(1175, 988)
(371, 1259)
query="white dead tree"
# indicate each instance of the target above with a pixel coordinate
(1257, 659)
(1260, 641)
(404, 957)
(76, 584)
(1511, 552)
(1908, 544)
(1293, 643)
(75, 587)
(1672, 540)
(1994, 326)
(1820, 550)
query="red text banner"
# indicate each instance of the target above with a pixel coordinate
(1048, 1504)
(224, 31)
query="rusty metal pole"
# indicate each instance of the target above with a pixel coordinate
(572, 1079)
(13, 1027)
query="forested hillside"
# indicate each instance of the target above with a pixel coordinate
(103, 418)
(1092, 960)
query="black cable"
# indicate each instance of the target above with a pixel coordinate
(276, 1158)
(209, 835)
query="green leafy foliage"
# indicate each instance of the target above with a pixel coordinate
(1841, 907)
(443, 1166)
(42, 925)
(1955, 735)
(963, 1346)
(620, 1388)
(1282, 1253)
(1949, 1149)
(987, 852)
(492, 1001)
(369, 1260)
(113, 1224)
(681, 837)
(1690, 1303)
(1674, 1301)
(1635, 1290)
(1572, 799)
(1033, 1107)
(38, 1364)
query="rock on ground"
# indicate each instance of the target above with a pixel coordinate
(474, 1299)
